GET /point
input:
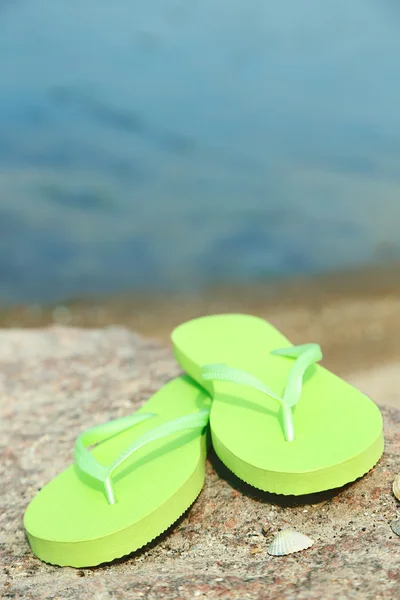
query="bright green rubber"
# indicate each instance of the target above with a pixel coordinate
(70, 522)
(338, 429)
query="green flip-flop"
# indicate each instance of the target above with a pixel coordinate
(278, 420)
(141, 475)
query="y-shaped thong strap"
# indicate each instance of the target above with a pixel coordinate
(305, 356)
(87, 463)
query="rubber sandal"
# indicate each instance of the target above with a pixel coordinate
(143, 473)
(278, 420)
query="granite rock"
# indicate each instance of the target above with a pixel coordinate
(58, 381)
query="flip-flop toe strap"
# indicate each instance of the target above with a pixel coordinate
(304, 355)
(87, 463)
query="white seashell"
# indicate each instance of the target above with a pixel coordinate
(396, 526)
(396, 487)
(288, 541)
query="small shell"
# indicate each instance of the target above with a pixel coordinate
(396, 526)
(396, 487)
(288, 541)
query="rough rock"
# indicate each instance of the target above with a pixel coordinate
(58, 381)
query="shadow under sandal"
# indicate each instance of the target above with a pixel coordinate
(279, 421)
(143, 472)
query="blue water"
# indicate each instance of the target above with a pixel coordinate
(174, 144)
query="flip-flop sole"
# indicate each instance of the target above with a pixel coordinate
(338, 430)
(70, 523)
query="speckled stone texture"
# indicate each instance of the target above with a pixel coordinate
(56, 382)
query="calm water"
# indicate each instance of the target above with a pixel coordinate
(173, 144)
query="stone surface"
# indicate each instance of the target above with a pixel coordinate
(55, 382)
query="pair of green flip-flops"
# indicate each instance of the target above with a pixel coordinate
(278, 421)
